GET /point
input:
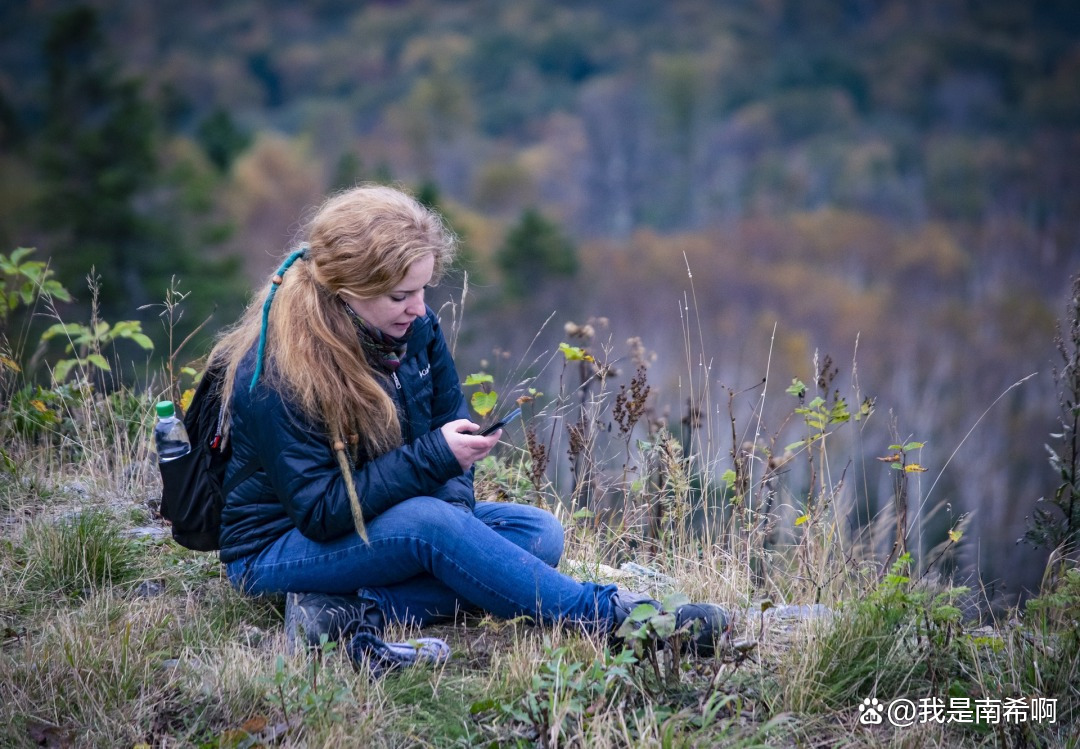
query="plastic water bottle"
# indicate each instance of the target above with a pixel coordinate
(170, 436)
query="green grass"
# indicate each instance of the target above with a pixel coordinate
(112, 640)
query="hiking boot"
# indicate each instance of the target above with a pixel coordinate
(383, 657)
(312, 615)
(705, 623)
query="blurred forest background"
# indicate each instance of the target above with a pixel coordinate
(892, 183)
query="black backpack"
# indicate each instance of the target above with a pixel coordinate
(192, 491)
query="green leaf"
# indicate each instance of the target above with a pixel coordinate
(913, 446)
(798, 388)
(54, 289)
(483, 402)
(478, 378)
(802, 519)
(63, 369)
(99, 361)
(574, 353)
(58, 329)
(19, 254)
(674, 601)
(143, 341)
(794, 445)
(642, 612)
(728, 477)
(481, 706)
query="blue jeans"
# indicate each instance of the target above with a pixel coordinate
(427, 559)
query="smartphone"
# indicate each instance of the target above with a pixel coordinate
(502, 422)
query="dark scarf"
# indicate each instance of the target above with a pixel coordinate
(381, 350)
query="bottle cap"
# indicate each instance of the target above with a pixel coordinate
(165, 409)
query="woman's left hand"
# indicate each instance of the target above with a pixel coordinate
(467, 446)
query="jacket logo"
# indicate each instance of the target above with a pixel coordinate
(425, 370)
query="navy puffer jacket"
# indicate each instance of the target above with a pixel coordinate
(299, 484)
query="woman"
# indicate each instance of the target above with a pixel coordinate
(342, 389)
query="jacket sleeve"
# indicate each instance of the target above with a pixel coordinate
(304, 472)
(449, 404)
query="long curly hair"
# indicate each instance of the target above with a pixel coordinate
(362, 242)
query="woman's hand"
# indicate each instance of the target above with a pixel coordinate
(467, 446)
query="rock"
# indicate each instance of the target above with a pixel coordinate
(149, 589)
(152, 532)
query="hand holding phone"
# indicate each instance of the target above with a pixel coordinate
(502, 422)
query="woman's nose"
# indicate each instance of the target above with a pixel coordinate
(416, 306)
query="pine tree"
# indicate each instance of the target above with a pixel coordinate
(535, 249)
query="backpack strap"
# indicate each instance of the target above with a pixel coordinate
(246, 472)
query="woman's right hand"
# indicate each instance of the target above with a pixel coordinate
(467, 446)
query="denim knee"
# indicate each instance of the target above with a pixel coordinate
(550, 538)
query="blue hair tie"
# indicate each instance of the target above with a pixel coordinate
(275, 281)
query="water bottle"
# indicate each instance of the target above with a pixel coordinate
(169, 433)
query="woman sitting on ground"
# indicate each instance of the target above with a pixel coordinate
(340, 386)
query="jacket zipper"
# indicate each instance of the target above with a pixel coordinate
(404, 408)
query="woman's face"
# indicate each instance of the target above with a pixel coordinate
(394, 312)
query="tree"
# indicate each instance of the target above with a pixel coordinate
(105, 200)
(96, 157)
(222, 140)
(534, 250)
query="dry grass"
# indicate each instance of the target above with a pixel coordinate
(111, 639)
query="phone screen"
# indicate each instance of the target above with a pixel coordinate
(501, 422)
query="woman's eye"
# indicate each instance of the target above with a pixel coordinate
(397, 298)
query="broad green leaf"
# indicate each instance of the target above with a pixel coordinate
(478, 378)
(728, 477)
(913, 446)
(56, 329)
(674, 600)
(99, 361)
(483, 402)
(794, 445)
(20, 253)
(798, 388)
(143, 341)
(955, 536)
(818, 402)
(63, 368)
(54, 289)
